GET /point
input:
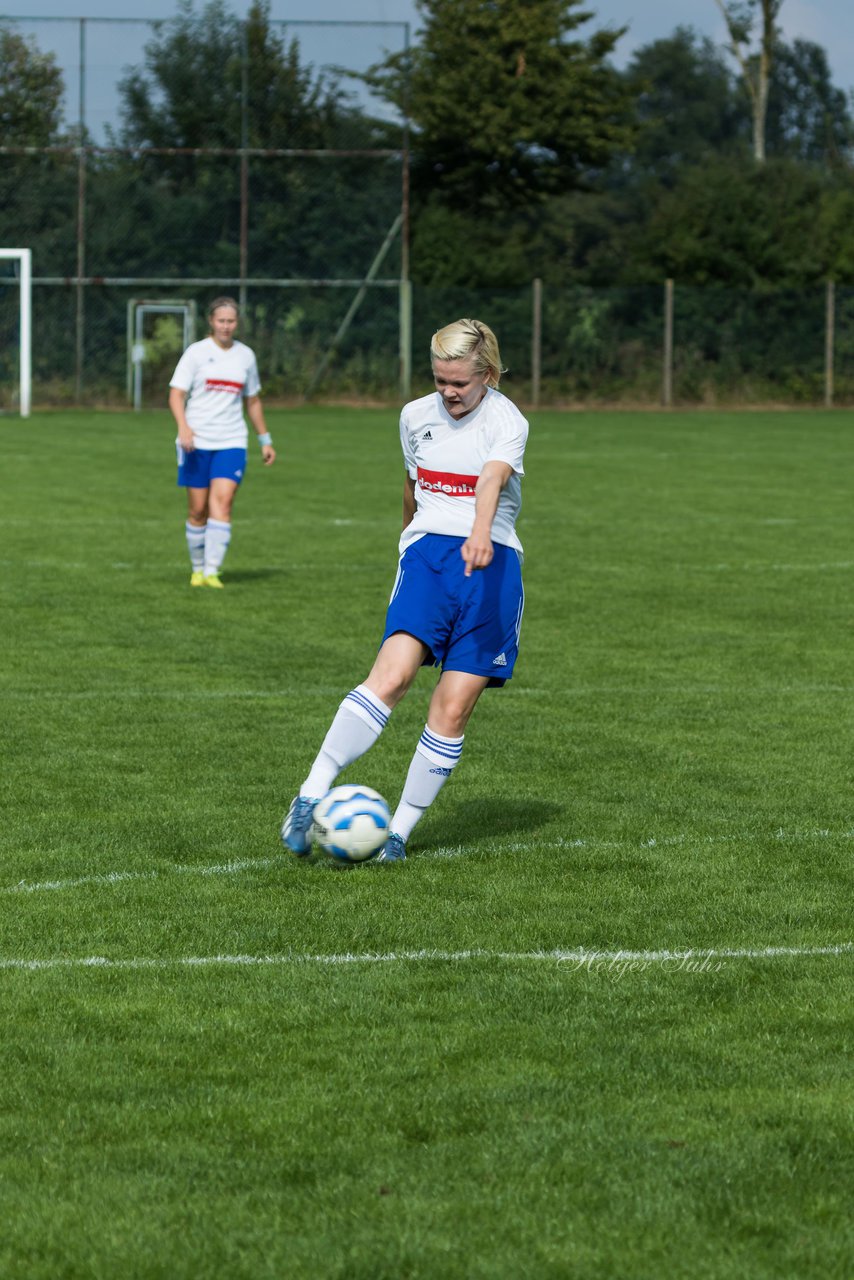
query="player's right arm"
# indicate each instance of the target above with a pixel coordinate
(408, 500)
(177, 405)
(477, 551)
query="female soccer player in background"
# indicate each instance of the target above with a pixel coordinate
(213, 379)
(457, 599)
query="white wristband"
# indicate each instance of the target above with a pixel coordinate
(266, 438)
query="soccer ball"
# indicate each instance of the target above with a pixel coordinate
(351, 823)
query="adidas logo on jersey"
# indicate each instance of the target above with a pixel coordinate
(428, 435)
(500, 661)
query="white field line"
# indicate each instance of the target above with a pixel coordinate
(827, 566)
(724, 566)
(172, 695)
(236, 865)
(55, 563)
(691, 960)
(301, 566)
(335, 691)
(120, 877)
(653, 842)
(688, 690)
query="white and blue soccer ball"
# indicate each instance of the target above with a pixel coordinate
(351, 823)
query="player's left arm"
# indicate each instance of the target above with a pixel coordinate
(477, 550)
(255, 413)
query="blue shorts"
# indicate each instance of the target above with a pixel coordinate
(469, 624)
(198, 467)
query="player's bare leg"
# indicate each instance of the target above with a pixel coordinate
(221, 498)
(396, 666)
(453, 701)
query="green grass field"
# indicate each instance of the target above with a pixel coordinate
(489, 1061)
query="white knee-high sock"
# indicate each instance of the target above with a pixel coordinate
(359, 721)
(196, 545)
(432, 765)
(217, 538)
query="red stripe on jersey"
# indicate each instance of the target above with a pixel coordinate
(447, 482)
(223, 384)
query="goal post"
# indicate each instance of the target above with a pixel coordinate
(137, 310)
(24, 259)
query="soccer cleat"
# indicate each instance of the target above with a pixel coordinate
(197, 578)
(394, 849)
(296, 828)
(212, 580)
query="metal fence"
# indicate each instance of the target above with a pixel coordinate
(328, 304)
(649, 345)
(82, 206)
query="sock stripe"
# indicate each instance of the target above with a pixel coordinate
(359, 699)
(450, 748)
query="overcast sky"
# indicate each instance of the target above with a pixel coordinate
(110, 48)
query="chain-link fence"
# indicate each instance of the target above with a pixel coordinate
(586, 346)
(667, 343)
(201, 158)
(300, 210)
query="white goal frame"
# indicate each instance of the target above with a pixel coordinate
(138, 309)
(24, 258)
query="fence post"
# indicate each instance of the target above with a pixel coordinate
(80, 317)
(536, 341)
(244, 167)
(404, 321)
(405, 338)
(829, 327)
(667, 372)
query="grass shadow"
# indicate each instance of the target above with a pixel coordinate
(473, 821)
(253, 575)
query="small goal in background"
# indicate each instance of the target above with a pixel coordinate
(21, 260)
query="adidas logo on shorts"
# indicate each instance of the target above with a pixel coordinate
(500, 661)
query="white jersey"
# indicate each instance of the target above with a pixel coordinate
(445, 457)
(216, 381)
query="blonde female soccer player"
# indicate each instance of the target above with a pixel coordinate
(214, 379)
(457, 599)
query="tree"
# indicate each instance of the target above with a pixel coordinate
(808, 118)
(686, 102)
(678, 205)
(753, 228)
(508, 104)
(31, 90)
(755, 62)
(37, 192)
(189, 93)
(210, 80)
